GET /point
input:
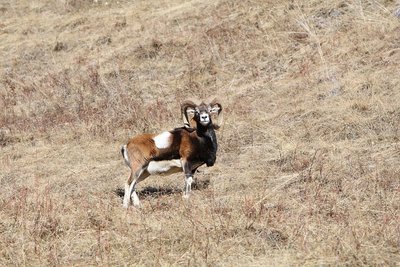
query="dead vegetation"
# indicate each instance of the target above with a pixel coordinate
(308, 167)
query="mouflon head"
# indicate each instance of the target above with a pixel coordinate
(203, 114)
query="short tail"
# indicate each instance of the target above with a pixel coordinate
(124, 153)
(123, 150)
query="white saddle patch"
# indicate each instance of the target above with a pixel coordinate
(164, 167)
(163, 140)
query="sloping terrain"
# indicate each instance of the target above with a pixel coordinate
(308, 163)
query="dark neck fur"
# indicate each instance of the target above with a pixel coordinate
(208, 133)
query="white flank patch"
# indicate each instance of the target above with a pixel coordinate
(163, 140)
(164, 167)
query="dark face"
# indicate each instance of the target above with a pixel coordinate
(202, 114)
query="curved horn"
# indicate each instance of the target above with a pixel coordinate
(215, 111)
(188, 110)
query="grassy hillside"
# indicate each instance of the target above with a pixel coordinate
(308, 167)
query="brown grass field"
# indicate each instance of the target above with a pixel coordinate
(308, 167)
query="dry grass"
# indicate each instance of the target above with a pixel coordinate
(308, 168)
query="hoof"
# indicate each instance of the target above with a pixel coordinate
(135, 200)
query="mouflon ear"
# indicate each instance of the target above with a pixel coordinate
(215, 113)
(188, 110)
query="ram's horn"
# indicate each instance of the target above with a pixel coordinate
(188, 111)
(215, 113)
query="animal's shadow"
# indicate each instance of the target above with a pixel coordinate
(155, 192)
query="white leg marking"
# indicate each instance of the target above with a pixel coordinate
(188, 186)
(163, 140)
(131, 191)
(126, 196)
(135, 199)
